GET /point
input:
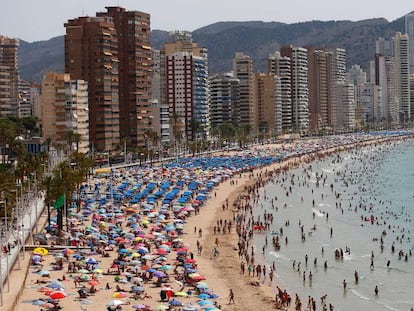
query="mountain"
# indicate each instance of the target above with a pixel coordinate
(255, 38)
(36, 58)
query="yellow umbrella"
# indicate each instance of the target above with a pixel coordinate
(181, 294)
(41, 251)
(134, 255)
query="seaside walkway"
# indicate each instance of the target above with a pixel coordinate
(14, 265)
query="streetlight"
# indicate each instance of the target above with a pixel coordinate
(7, 255)
(141, 158)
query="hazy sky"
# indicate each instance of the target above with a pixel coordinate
(33, 20)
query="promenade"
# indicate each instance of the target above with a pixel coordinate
(14, 266)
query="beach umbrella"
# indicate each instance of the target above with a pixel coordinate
(114, 303)
(41, 250)
(198, 278)
(137, 289)
(55, 285)
(84, 277)
(44, 273)
(120, 295)
(202, 286)
(57, 295)
(159, 274)
(140, 306)
(93, 283)
(161, 251)
(142, 250)
(161, 307)
(38, 302)
(175, 303)
(165, 267)
(204, 302)
(203, 296)
(91, 261)
(85, 301)
(181, 294)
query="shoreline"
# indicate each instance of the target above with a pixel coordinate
(265, 293)
(223, 272)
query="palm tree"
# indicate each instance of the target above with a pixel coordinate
(47, 184)
(177, 128)
(8, 133)
(195, 127)
(70, 138)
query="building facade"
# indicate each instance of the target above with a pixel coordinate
(299, 86)
(91, 54)
(64, 110)
(268, 104)
(184, 86)
(280, 66)
(133, 32)
(9, 77)
(243, 71)
(402, 76)
(224, 99)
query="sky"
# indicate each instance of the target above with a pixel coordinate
(34, 20)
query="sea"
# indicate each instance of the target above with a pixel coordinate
(357, 201)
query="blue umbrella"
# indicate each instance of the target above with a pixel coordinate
(54, 285)
(204, 302)
(137, 289)
(38, 302)
(203, 296)
(91, 261)
(174, 302)
(159, 274)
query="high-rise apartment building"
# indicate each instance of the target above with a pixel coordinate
(346, 105)
(224, 99)
(133, 47)
(159, 109)
(25, 105)
(402, 76)
(385, 79)
(64, 110)
(268, 104)
(243, 71)
(327, 67)
(91, 54)
(9, 77)
(280, 66)
(300, 89)
(409, 30)
(184, 85)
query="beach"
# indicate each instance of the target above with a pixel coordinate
(222, 272)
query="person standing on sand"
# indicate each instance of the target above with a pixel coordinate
(231, 296)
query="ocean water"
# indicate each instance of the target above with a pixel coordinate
(373, 183)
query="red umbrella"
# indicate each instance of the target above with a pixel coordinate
(189, 260)
(199, 278)
(57, 295)
(161, 251)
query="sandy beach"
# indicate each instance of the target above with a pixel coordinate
(221, 272)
